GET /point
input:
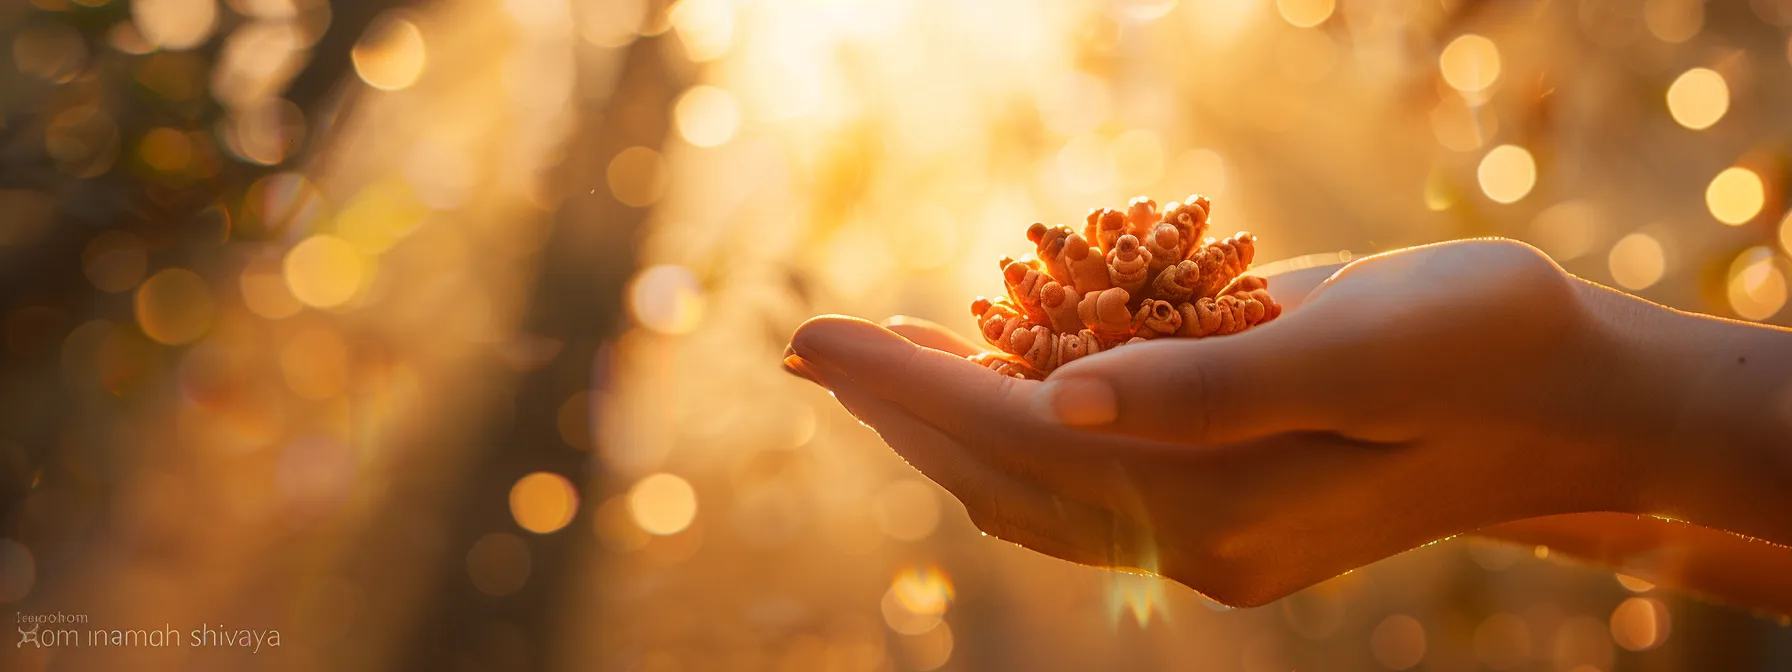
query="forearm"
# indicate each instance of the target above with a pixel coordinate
(1703, 409)
(1719, 564)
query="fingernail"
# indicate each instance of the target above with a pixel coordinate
(848, 345)
(1078, 402)
(793, 365)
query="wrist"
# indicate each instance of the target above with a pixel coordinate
(1692, 410)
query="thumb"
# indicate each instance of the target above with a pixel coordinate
(1280, 377)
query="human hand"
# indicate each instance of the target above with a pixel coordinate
(1410, 397)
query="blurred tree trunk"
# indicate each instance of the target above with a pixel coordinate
(577, 300)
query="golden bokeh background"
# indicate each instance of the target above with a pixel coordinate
(446, 335)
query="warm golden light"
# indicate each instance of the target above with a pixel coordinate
(1735, 196)
(1138, 159)
(1086, 163)
(1305, 13)
(637, 177)
(1507, 173)
(543, 502)
(1201, 166)
(706, 116)
(1470, 63)
(1306, 56)
(1398, 642)
(379, 216)
(926, 240)
(391, 55)
(666, 299)
(1640, 623)
(175, 24)
(1698, 98)
(1637, 261)
(323, 271)
(175, 306)
(705, 27)
(662, 504)
(1757, 284)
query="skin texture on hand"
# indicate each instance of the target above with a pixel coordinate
(1407, 398)
(1719, 564)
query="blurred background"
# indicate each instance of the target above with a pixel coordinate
(445, 335)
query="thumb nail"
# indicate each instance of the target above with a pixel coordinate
(1078, 402)
(795, 366)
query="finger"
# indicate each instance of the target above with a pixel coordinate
(999, 504)
(1289, 375)
(992, 416)
(1291, 287)
(930, 334)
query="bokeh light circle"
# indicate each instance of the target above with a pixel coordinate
(1637, 261)
(175, 24)
(1674, 21)
(1305, 13)
(391, 55)
(543, 502)
(1786, 233)
(706, 116)
(1640, 623)
(323, 271)
(1735, 196)
(1470, 63)
(1398, 642)
(1756, 284)
(1698, 98)
(115, 261)
(662, 504)
(1507, 173)
(175, 306)
(666, 298)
